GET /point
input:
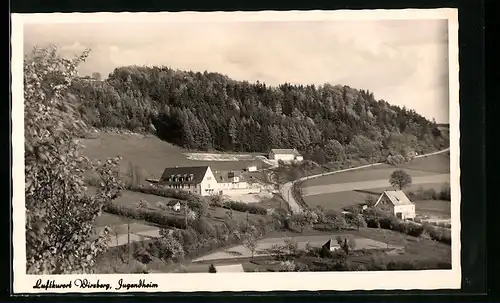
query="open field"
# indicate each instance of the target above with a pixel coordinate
(131, 199)
(264, 245)
(340, 200)
(151, 154)
(404, 248)
(431, 165)
(361, 185)
(434, 208)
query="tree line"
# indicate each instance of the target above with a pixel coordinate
(210, 111)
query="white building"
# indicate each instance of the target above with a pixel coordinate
(202, 181)
(251, 167)
(331, 245)
(396, 202)
(198, 179)
(174, 205)
(285, 155)
(229, 181)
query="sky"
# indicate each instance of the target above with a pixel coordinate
(404, 62)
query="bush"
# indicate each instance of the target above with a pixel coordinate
(142, 255)
(165, 192)
(438, 234)
(204, 228)
(336, 220)
(211, 269)
(242, 207)
(445, 193)
(151, 216)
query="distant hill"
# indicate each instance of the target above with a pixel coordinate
(206, 111)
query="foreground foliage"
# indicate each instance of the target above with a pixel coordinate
(59, 212)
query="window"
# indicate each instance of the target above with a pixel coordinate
(209, 178)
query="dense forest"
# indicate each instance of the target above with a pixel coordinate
(206, 111)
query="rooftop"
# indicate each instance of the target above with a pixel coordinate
(286, 151)
(184, 175)
(398, 197)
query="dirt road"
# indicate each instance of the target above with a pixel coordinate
(286, 190)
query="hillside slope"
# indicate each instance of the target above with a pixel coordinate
(205, 111)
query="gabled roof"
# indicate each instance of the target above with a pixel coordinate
(397, 197)
(330, 243)
(286, 151)
(197, 172)
(223, 176)
(173, 203)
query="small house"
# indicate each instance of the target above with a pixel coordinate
(397, 203)
(285, 155)
(174, 205)
(251, 167)
(331, 245)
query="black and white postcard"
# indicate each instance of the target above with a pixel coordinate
(235, 151)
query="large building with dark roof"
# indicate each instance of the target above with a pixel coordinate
(196, 179)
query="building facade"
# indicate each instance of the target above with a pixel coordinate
(198, 180)
(285, 155)
(397, 203)
(202, 180)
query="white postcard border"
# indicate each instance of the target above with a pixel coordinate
(190, 282)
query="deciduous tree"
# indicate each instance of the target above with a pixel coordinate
(60, 213)
(400, 179)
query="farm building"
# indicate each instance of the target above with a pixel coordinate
(174, 205)
(286, 155)
(252, 167)
(396, 202)
(197, 179)
(231, 183)
(331, 245)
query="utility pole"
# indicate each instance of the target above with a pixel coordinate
(128, 240)
(185, 214)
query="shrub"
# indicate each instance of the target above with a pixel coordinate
(242, 207)
(161, 205)
(203, 227)
(430, 194)
(151, 216)
(143, 204)
(165, 192)
(211, 269)
(277, 250)
(142, 255)
(287, 266)
(291, 245)
(336, 220)
(445, 193)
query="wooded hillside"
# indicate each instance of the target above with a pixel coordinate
(211, 111)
